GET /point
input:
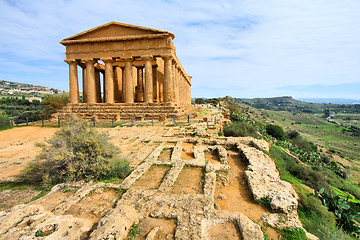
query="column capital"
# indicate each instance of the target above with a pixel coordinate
(147, 57)
(69, 61)
(107, 60)
(167, 56)
(139, 67)
(128, 59)
(89, 61)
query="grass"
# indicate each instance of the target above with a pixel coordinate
(317, 130)
(14, 186)
(134, 231)
(343, 194)
(292, 233)
(314, 216)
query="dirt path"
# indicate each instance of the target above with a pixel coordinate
(233, 194)
(17, 147)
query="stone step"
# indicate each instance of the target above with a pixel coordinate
(124, 110)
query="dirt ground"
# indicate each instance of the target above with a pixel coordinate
(224, 231)
(17, 148)
(233, 194)
(189, 181)
(152, 178)
(17, 145)
(166, 232)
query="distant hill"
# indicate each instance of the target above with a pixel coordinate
(330, 100)
(287, 103)
(13, 88)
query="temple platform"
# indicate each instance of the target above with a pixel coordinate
(124, 110)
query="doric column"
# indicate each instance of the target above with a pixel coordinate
(109, 81)
(129, 83)
(123, 84)
(189, 91)
(148, 89)
(84, 84)
(161, 87)
(98, 85)
(181, 88)
(177, 85)
(73, 82)
(140, 85)
(168, 83)
(90, 81)
(155, 84)
(117, 84)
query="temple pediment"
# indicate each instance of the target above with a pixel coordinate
(116, 30)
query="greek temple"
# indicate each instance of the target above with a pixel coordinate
(125, 70)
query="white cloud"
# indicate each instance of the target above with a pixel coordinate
(247, 48)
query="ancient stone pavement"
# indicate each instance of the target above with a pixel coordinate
(173, 188)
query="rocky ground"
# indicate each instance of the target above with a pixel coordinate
(187, 183)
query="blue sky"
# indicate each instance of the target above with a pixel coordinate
(240, 48)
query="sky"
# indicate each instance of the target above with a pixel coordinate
(240, 48)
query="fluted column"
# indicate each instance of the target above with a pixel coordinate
(98, 85)
(84, 84)
(73, 82)
(129, 83)
(181, 88)
(161, 88)
(168, 81)
(123, 84)
(140, 85)
(148, 89)
(109, 81)
(90, 81)
(177, 85)
(155, 84)
(117, 84)
(189, 91)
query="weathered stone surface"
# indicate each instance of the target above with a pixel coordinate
(116, 224)
(264, 181)
(151, 235)
(249, 229)
(61, 227)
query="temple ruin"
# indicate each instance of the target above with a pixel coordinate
(127, 71)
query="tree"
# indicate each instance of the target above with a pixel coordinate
(52, 104)
(326, 113)
(199, 101)
(275, 131)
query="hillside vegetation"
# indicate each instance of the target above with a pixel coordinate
(319, 157)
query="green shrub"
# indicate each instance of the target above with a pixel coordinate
(4, 122)
(292, 134)
(345, 214)
(275, 131)
(292, 233)
(199, 101)
(134, 231)
(265, 202)
(237, 116)
(240, 129)
(76, 152)
(303, 144)
(314, 216)
(52, 104)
